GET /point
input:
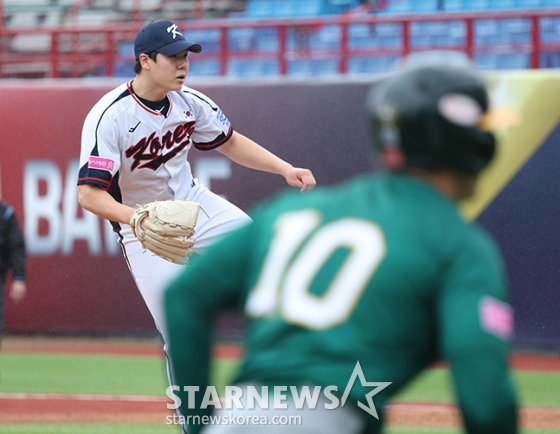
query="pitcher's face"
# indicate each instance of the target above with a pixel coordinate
(169, 72)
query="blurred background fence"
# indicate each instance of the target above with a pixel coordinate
(78, 280)
(255, 38)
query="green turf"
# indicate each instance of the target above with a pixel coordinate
(534, 388)
(539, 388)
(432, 385)
(223, 371)
(56, 373)
(89, 374)
(92, 374)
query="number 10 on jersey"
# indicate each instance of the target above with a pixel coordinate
(300, 248)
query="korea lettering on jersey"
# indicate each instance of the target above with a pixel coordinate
(140, 155)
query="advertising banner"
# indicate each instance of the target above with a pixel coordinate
(78, 281)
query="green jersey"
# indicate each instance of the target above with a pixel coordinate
(380, 270)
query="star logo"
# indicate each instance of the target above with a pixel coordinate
(379, 386)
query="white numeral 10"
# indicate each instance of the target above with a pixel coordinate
(299, 249)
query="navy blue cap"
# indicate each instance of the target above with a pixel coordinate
(164, 37)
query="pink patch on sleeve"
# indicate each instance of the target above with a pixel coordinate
(496, 317)
(101, 163)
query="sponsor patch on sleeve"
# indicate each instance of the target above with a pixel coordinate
(496, 317)
(222, 120)
(100, 163)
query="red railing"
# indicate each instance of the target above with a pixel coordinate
(94, 51)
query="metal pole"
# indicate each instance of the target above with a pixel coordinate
(1, 14)
(535, 42)
(198, 9)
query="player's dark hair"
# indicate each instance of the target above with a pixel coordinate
(137, 67)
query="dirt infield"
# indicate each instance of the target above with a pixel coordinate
(52, 408)
(55, 408)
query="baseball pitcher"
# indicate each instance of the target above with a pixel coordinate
(134, 168)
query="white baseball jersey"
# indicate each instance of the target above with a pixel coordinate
(140, 155)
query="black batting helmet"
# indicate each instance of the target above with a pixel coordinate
(432, 116)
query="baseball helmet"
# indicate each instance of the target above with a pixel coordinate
(432, 116)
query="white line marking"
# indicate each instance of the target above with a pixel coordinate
(82, 397)
(156, 399)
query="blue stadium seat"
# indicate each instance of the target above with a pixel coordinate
(429, 6)
(283, 8)
(252, 67)
(208, 38)
(457, 32)
(361, 36)
(299, 68)
(518, 30)
(324, 66)
(334, 7)
(297, 38)
(437, 34)
(486, 61)
(529, 4)
(502, 4)
(503, 31)
(123, 69)
(266, 39)
(549, 60)
(241, 39)
(383, 35)
(503, 61)
(418, 36)
(514, 61)
(259, 9)
(325, 38)
(550, 29)
(550, 3)
(487, 31)
(204, 68)
(309, 8)
(369, 65)
(454, 5)
(389, 35)
(478, 5)
(125, 48)
(398, 7)
(312, 67)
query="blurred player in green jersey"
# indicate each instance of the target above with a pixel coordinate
(353, 290)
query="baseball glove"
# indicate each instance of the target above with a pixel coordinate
(165, 228)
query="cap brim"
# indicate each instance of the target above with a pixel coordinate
(499, 117)
(179, 47)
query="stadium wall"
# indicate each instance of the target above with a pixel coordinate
(78, 281)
